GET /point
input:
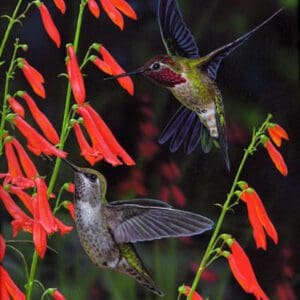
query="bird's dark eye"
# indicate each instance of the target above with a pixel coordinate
(156, 66)
(91, 177)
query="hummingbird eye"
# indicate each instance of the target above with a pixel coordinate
(156, 66)
(92, 177)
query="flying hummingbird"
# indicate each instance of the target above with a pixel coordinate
(107, 230)
(191, 79)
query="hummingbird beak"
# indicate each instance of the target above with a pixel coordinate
(135, 72)
(75, 168)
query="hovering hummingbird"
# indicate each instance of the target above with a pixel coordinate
(107, 229)
(191, 79)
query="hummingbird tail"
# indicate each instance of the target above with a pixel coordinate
(131, 265)
(185, 128)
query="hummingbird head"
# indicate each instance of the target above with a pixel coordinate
(162, 69)
(90, 185)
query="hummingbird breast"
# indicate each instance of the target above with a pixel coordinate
(95, 237)
(199, 95)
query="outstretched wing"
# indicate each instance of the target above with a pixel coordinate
(176, 37)
(215, 58)
(185, 128)
(132, 223)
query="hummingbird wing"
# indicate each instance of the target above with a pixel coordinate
(215, 58)
(176, 37)
(132, 223)
(186, 128)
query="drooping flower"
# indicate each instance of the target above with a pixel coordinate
(258, 218)
(242, 270)
(277, 133)
(41, 119)
(57, 295)
(14, 168)
(125, 8)
(75, 76)
(20, 219)
(48, 23)
(275, 156)
(46, 218)
(94, 8)
(70, 207)
(101, 64)
(125, 82)
(27, 164)
(24, 197)
(87, 151)
(34, 77)
(60, 4)
(109, 137)
(16, 106)
(36, 143)
(70, 187)
(8, 289)
(2, 247)
(185, 290)
(113, 13)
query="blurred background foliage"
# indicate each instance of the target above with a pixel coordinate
(260, 77)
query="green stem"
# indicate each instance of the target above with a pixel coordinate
(30, 282)
(225, 208)
(64, 130)
(63, 136)
(8, 76)
(11, 23)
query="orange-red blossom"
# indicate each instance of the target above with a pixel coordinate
(242, 270)
(185, 290)
(258, 217)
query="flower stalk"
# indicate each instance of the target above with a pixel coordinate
(227, 204)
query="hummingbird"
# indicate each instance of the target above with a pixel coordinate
(107, 230)
(191, 78)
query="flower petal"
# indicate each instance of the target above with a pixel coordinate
(113, 13)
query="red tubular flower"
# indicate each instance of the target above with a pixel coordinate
(14, 168)
(8, 289)
(70, 187)
(39, 236)
(94, 8)
(57, 295)
(277, 133)
(60, 4)
(16, 106)
(113, 13)
(41, 119)
(36, 143)
(96, 137)
(88, 152)
(125, 8)
(24, 197)
(34, 78)
(276, 157)
(258, 218)
(125, 82)
(185, 290)
(48, 23)
(27, 164)
(63, 228)
(75, 76)
(2, 247)
(243, 272)
(46, 218)
(109, 137)
(101, 64)
(70, 207)
(21, 220)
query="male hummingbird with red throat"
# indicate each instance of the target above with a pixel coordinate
(191, 78)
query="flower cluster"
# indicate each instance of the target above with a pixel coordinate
(114, 10)
(103, 143)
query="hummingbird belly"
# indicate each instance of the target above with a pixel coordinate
(94, 236)
(199, 100)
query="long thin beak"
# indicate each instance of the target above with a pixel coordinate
(135, 72)
(75, 168)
